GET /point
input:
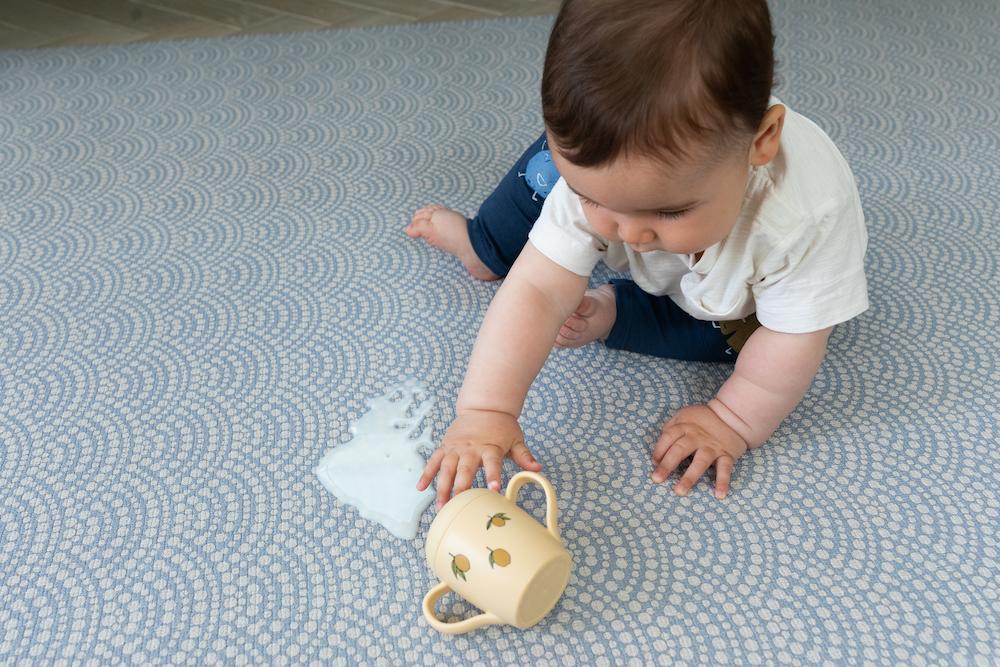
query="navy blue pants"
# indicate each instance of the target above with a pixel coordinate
(644, 323)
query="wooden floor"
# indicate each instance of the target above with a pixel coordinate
(35, 23)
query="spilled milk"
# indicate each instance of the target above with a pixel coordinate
(377, 470)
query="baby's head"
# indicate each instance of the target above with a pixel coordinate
(655, 111)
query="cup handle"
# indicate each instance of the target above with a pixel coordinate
(551, 511)
(459, 627)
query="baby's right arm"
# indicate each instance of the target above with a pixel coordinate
(514, 340)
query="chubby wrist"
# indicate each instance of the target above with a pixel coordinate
(739, 427)
(467, 409)
(482, 399)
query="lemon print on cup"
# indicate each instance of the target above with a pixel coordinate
(497, 520)
(499, 557)
(460, 565)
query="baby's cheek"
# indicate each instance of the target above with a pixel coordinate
(602, 224)
(698, 233)
(686, 243)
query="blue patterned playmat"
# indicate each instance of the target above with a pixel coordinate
(204, 278)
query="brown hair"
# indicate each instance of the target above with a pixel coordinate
(655, 78)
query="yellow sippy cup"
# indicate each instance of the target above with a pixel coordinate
(497, 556)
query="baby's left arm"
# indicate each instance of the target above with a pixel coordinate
(773, 372)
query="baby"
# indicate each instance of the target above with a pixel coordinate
(737, 219)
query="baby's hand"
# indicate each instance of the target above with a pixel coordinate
(476, 438)
(697, 429)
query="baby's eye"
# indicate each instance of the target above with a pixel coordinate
(671, 215)
(588, 202)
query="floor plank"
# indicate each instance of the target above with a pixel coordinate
(284, 23)
(328, 12)
(54, 22)
(455, 14)
(226, 12)
(135, 16)
(37, 23)
(13, 37)
(413, 10)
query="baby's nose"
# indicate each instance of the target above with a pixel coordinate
(634, 234)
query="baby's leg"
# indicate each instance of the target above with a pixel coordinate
(448, 230)
(488, 244)
(637, 321)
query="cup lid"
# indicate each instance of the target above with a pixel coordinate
(449, 513)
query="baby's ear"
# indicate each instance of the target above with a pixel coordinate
(768, 139)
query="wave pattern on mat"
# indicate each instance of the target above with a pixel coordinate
(203, 279)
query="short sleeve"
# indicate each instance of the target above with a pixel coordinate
(818, 279)
(562, 233)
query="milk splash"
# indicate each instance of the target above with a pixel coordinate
(377, 470)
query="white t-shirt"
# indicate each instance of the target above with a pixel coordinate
(795, 256)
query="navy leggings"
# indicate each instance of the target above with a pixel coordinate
(644, 323)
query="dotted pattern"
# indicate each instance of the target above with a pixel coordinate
(203, 278)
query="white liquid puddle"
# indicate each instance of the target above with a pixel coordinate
(377, 470)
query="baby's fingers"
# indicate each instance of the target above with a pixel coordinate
(672, 457)
(522, 457)
(430, 469)
(492, 463)
(668, 436)
(468, 466)
(702, 460)
(723, 473)
(446, 479)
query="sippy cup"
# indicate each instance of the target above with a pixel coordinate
(497, 556)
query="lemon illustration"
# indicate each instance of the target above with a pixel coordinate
(497, 520)
(499, 557)
(459, 565)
